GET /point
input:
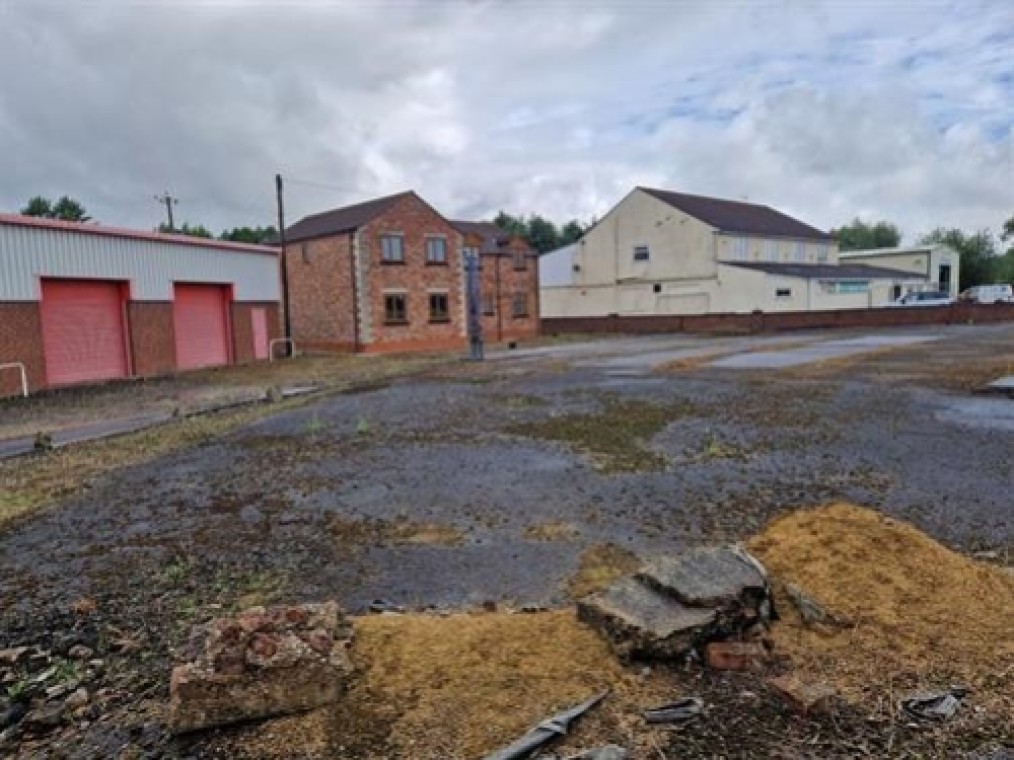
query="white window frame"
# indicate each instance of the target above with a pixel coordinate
(739, 248)
(384, 257)
(799, 251)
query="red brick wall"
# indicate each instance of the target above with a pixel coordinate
(415, 220)
(959, 313)
(152, 346)
(500, 281)
(21, 341)
(320, 293)
(242, 328)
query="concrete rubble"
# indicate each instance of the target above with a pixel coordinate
(675, 605)
(264, 662)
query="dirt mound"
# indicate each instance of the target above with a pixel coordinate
(911, 612)
(462, 685)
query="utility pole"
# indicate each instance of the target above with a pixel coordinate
(169, 202)
(279, 188)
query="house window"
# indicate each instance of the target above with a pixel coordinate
(799, 251)
(520, 262)
(771, 250)
(395, 309)
(489, 305)
(739, 248)
(823, 253)
(519, 304)
(436, 250)
(392, 249)
(438, 308)
(304, 249)
(783, 293)
(657, 287)
(641, 253)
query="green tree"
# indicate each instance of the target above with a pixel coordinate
(254, 235)
(1008, 232)
(193, 230)
(66, 209)
(38, 206)
(571, 232)
(542, 234)
(514, 225)
(859, 235)
(977, 252)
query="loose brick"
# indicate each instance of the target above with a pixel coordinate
(735, 655)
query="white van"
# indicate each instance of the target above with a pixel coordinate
(988, 294)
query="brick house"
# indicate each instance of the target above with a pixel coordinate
(510, 281)
(388, 275)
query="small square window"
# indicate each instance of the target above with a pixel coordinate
(395, 308)
(520, 262)
(304, 249)
(641, 253)
(438, 308)
(657, 287)
(392, 249)
(436, 250)
(489, 305)
(519, 305)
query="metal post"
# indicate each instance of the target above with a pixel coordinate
(473, 291)
(283, 259)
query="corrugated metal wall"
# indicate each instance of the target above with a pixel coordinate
(28, 253)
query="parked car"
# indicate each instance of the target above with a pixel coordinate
(924, 298)
(988, 294)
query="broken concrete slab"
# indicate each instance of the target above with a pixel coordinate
(264, 662)
(705, 576)
(641, 622)
(675, 604)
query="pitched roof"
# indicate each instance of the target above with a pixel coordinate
(826, 271)
(90, 228)
(738, 216)
(893, 250)
(492, 235)
(344, 219)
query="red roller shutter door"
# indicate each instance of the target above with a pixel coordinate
(82, 331)
(201, 325)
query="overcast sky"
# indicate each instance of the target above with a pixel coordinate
(901, 110)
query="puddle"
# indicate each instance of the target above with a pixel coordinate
(983, 413)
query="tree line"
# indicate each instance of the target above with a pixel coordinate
(983, 258)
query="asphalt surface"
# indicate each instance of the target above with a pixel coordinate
(302, 501)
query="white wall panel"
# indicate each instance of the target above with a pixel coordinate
(28, 253)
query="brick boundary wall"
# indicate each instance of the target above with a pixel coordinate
(152, 339)
(959, 313)
(21, 341)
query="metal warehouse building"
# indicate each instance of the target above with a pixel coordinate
(85, 303)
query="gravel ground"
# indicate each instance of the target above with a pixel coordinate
(299, 506)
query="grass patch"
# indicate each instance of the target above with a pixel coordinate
(359, 534)
(599, 567)
(554, 530)
(614, 437)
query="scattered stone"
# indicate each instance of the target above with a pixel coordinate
(13, 655)
(987, 556)
(12, 715)
(809, 609)
(80, 652)
(264, 662)
(43, 441)
(43, 719)
(675, 712)
(805, 698)
(939, 706)
(58, 690)
(84, 606)
(78, 698)
(735, 655)
(608, 752)
(640, 622)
